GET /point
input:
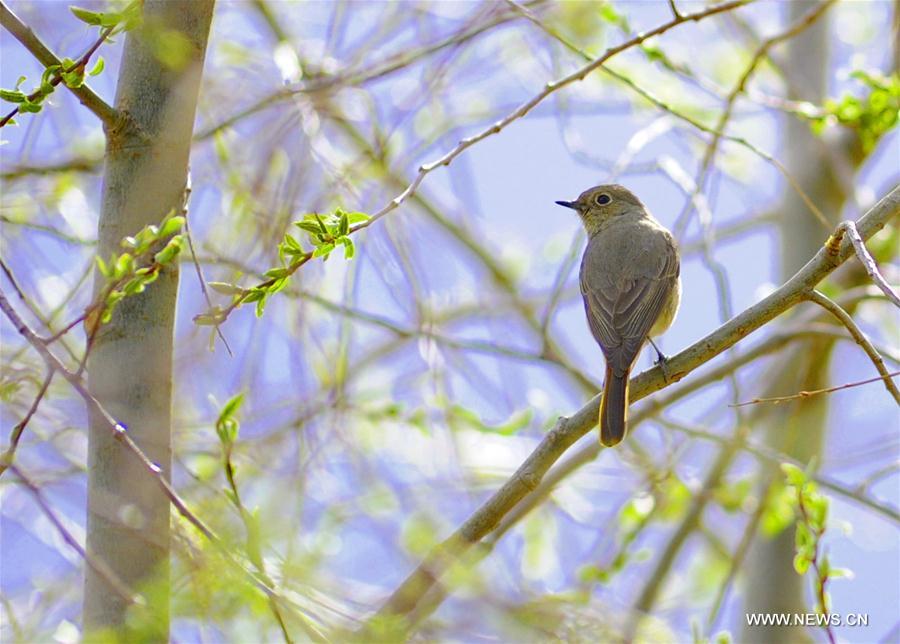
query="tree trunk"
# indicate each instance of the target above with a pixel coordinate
(130, 365)
(797, 429)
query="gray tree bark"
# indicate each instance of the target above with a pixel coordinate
(798, 429)
(130, 364)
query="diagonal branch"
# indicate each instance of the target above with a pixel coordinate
(14, 25)
(121, 434)
(836, 250)
(578, 75)
(861, 339)
(868, 262)
(102, 568)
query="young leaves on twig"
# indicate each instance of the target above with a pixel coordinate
(131, 272)
(71, 72)
(812, 517)
(872, 116)
(324, 233)
(118, 21)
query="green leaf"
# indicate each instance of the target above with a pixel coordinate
(131, 17)
(134, 286)
(255, 295)
(12, 96)
(357, 217)
(291, 242)
(278, 272)
(124, 265)
(206, 319)
(111, 19)
(609, 14)
(74, 79)
(308, 226)
(636, 511)
(278, 285)
(231, 406)
(323, 250)
(227, 431)
(824, 567)
(732, 496)
(98, 67)
(30, 107)
(260, 306)
(803, 538)
(349, 248)
(794, 475)
(321, 223)
(170, 252)
(171, 226)
(47, 76)
(801, 564)
(90, 17)
(818, 511)
(344, 225)
(227, 425)
(225, 288)
(675, 496)
(102, 267)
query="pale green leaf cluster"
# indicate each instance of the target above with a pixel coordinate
(132, 271)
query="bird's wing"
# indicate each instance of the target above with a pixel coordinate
(622, 303)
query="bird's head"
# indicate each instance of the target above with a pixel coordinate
(599, 204)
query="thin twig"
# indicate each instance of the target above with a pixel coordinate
(219, 316)
(717, 132)
(121, 434)
(254, 554)
(578, 75)
(119, 586)
(190, 239)
(11, 22)
(674, 9)
(404, 600)
(378, 71)
(861, 339)
(862, 253)
(7, 457)
(815, 392)
(709, 157)
(816, 562)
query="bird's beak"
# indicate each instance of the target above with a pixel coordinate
(569, 204)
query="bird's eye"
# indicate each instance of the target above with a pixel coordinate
(602, 199)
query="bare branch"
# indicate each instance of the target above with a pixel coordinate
(709, 157)
(868, 262)
(121, 434)
(485, 519)
(845, 319)
(91, 560)
(549, 88)
(806, 394)
(674, 9)
(6, 458)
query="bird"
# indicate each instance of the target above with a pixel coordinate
(631, 286)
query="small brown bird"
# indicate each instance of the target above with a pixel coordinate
(631, 289)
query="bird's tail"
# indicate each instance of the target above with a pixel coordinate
(613, 408)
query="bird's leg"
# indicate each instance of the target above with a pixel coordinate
(661, 360)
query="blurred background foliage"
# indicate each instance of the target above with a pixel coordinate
(381, 397)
